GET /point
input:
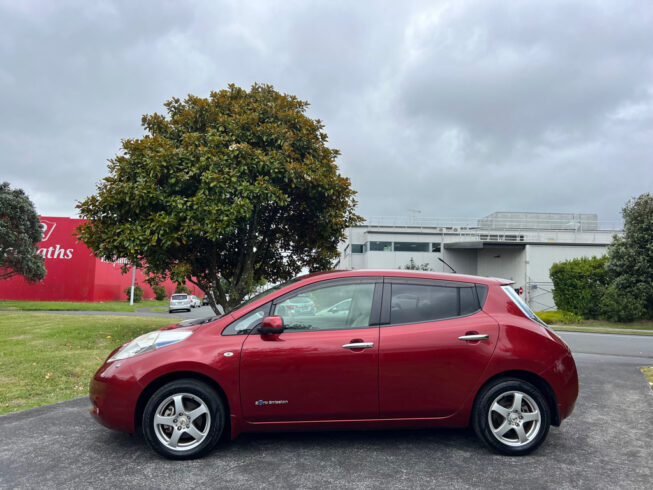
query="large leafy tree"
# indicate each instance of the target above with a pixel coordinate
(223, 191)
(20, 233)
(630, 265)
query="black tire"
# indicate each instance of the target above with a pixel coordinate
(194, 438)
(506, 427)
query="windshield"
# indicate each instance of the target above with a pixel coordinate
(198, 321)
(522, 305)
(177, 297)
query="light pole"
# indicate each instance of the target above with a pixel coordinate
(131, 295)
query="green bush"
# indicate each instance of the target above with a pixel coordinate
(159, 292)
(557, 317)
(181, 288)
(579, 285)
(624, 304)
(138, 293)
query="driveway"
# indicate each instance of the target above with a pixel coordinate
(605, 444)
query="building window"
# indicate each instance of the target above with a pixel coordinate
(436, 247)
(380, 246)
(411, 247)
(356, 249)
(346, 251)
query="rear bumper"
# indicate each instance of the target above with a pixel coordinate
(114, 393)
(563, 379)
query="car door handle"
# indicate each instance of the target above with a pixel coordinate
(359, 345)
(478, 336)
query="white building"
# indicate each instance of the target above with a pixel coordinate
(516, 246)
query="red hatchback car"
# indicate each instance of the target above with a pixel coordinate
(414, 349)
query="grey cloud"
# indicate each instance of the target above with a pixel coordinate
(454, 108)
(509, 73)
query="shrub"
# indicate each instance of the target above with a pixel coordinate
(181, 288)
(159, 292)
(623, 304)
(138, 293)
(560, 317)
(579, 285)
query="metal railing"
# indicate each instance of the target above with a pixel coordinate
(526, 222)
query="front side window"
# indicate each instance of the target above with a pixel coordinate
(245, 324)
(413, 303)
(329, 308)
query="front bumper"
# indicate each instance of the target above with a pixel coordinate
(114, 394)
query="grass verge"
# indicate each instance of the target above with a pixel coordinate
(648, 372)
(77, 305)
(46, 358)
(159, 309)
(600, 326)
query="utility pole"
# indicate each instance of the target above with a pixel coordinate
(131, 296)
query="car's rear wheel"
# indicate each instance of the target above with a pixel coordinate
(183, 419)
(511, 416)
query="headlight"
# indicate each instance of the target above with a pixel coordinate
(148, 342)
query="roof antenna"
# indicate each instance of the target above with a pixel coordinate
(454, 270)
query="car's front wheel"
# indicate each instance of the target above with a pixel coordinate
(183, 419)
(511, 416)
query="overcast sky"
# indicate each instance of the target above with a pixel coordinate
(455, 109)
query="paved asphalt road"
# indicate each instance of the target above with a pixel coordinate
(605, 444)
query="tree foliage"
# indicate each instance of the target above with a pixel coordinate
(414, 266)
(630, 267)
(579, 284)
(618, 287)
(20, 233)
(182, 289)
(239, 186)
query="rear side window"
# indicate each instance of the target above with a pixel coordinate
(412, 303)
(522, 305)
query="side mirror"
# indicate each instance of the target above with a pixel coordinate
(271, 324)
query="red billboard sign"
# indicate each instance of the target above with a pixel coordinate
(73, 273)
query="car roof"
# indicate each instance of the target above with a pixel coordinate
(315, 276)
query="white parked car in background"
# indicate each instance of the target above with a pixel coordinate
(195, 301)
(179, 302)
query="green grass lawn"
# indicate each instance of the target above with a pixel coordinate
(648, 372)
(77, 305)
(47, 358)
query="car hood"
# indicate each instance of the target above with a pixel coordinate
(193, 323)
